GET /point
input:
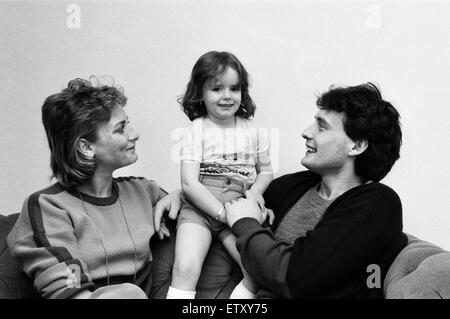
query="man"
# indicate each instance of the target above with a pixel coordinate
(335, 225)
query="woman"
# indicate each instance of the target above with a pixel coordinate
(87, 236)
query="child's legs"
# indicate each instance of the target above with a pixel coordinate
(192, 245)
(229, 242)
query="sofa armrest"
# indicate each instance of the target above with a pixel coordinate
(420, 271)
(14, 283)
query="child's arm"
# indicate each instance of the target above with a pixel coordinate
(197, 193)
(261, 183)
(263, 166)
(263, 179)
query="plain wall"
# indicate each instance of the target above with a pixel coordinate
(293, 50)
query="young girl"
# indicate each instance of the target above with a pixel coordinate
(221, 157)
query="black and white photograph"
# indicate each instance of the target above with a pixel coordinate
(224, 153)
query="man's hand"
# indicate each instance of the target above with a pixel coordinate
(170, 203)
(244, 207)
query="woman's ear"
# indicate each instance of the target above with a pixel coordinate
(85, 148)
(359, 147)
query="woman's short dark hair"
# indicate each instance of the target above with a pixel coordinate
(77, 112)
(209, 66)
(367, 117)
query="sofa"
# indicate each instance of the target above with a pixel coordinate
(420, 271)
(14, 284)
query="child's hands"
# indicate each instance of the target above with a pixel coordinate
(261, 202)
(270, 216)
(259, 198)
(244, 207)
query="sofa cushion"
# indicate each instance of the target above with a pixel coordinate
(13, 282)
(220, 274)
(420, 271)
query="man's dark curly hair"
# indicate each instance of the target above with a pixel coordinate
(77, 112)
(367, 117)
(209, 66)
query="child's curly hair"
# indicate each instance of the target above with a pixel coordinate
(210, 65)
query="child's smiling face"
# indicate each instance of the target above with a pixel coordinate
(222, 96)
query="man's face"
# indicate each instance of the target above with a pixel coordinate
(327, 144)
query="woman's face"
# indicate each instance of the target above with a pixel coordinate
(116, 142)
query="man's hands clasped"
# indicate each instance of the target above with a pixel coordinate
(251, 206)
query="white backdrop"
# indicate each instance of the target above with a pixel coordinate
(292, 49)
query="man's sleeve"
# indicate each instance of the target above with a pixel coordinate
(342, 243)
(273, 194)
(44, 243)
(265, 258)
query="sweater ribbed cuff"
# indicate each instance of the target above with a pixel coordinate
(244, 226)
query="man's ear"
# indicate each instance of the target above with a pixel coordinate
(359, 147)
(85, 148)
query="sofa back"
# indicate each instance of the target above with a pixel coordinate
(14, 283)
(420, 271)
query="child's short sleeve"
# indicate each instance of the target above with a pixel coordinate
(263, 148)
(191, 147)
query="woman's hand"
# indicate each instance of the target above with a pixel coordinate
(170, 203)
